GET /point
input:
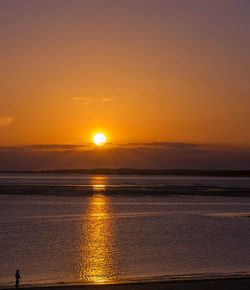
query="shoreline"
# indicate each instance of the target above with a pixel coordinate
(223, 283)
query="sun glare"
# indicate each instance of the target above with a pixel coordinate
(99, 139)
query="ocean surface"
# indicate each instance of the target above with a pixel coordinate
(100, 234)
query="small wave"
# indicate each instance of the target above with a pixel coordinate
(230, 214)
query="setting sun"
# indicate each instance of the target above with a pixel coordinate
(99, 139)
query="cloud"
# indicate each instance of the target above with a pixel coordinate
(83, 100)
(46, 147)
(90, 100)
(170, 145)
(55, 147)
(6, 120)
(70, 156)
(155, 82)
(106, 100)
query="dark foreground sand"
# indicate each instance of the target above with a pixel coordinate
(212, 284)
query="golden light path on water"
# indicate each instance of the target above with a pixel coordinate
(97, 244)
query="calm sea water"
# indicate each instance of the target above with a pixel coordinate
(100, 238)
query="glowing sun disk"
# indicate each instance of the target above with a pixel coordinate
(99, 139)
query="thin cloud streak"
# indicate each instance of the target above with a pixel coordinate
(6, 120)
(83, 100)
(90, 100)
(155, 82)
(46, 147)
(90, 146)
(106, 100)
(175, 145)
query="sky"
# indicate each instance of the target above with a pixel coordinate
(142, 71)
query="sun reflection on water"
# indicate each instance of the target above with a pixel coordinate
(97, 246)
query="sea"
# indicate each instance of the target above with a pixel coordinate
(62, 229)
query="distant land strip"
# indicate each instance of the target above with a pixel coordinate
(134, 171)
(149, 190)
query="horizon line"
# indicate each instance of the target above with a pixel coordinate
(139, 171)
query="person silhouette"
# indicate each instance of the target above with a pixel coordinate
(18, 277)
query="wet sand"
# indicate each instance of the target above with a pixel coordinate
(211, 284)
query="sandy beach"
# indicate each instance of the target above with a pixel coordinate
(209, 284)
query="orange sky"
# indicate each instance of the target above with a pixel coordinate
(140, 70)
